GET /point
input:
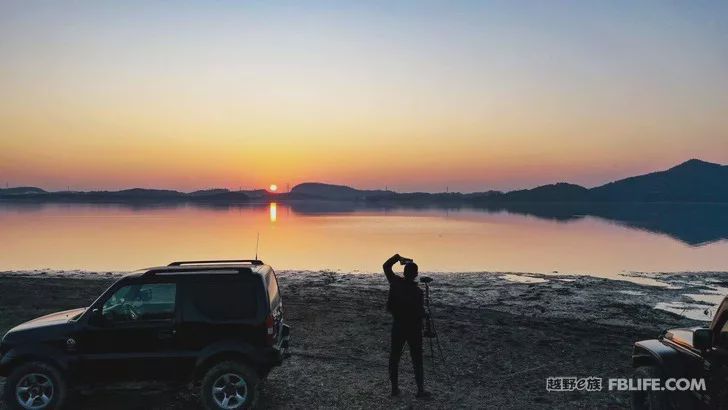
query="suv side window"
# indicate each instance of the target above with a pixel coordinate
(139, 302)
(222, 299)
(273, 294)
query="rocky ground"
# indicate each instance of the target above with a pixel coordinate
(501, 334)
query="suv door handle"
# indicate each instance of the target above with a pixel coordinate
(166, 333)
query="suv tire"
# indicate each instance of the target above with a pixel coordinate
(649, 399)
(229, 385)
(36, 386)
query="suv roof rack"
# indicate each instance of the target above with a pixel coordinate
(213, 262)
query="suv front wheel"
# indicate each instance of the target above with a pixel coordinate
(649, 399)
(35, 386)
(229, 385)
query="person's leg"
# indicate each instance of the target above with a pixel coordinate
(414, 340)
(395, 352)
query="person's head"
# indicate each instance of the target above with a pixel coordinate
(410, 271)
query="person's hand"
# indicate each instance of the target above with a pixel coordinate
(396, 256)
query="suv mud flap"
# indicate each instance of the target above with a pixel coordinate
(285, 341)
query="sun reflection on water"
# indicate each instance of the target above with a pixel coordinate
(273, 212)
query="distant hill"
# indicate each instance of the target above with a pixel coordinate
(561, 192)
(207, 192)
(125, 195)
(21, 190)
(329, 191)
(691, 181)
(135, 193)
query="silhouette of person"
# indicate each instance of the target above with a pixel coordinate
(405, 303)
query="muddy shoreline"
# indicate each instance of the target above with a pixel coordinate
(503, 334)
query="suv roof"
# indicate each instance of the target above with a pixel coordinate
(203, 267)
(218, 262)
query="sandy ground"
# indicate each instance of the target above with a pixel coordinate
(502, 334)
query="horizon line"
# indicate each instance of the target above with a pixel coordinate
(386, 187)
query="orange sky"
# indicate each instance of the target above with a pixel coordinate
(414, 97)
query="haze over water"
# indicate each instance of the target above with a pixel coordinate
(114, 237)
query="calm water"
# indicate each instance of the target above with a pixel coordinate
(312, 236)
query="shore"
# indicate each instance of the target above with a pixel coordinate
(502, 334)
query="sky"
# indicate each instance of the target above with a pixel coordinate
(415, 96)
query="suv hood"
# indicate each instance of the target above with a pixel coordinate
(51, 322)
(682, 336)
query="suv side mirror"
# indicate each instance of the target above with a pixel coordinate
(702, 339)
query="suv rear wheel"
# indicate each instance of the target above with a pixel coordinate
(228, 386)
(35, 386)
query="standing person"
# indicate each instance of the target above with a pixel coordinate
(405, 303)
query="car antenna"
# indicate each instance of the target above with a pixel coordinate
(257, 241)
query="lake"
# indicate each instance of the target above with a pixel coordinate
(347, 237)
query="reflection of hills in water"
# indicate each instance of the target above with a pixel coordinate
(694, 224)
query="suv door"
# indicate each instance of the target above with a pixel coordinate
(134, 334)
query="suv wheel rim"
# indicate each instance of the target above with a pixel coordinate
(34, 391)
(230, 391)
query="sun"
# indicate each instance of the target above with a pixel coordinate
(273, 187)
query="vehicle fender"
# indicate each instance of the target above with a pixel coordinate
(36, 352)
(655, 353)
(228, 348)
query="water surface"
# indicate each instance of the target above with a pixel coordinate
(347, 238)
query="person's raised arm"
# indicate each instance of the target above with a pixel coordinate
(388, 267)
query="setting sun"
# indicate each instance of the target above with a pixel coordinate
(273, 187)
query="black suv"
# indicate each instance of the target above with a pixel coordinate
(696, 353)
(216, 323)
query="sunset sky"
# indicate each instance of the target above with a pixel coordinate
(412, 95)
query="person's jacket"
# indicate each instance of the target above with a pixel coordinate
(405, 300)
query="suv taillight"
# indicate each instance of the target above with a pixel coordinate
(269, 330)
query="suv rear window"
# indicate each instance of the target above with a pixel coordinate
(223, 298)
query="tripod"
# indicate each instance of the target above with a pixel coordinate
(430, 332)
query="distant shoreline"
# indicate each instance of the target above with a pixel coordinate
(693, 181)
(405, 201)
